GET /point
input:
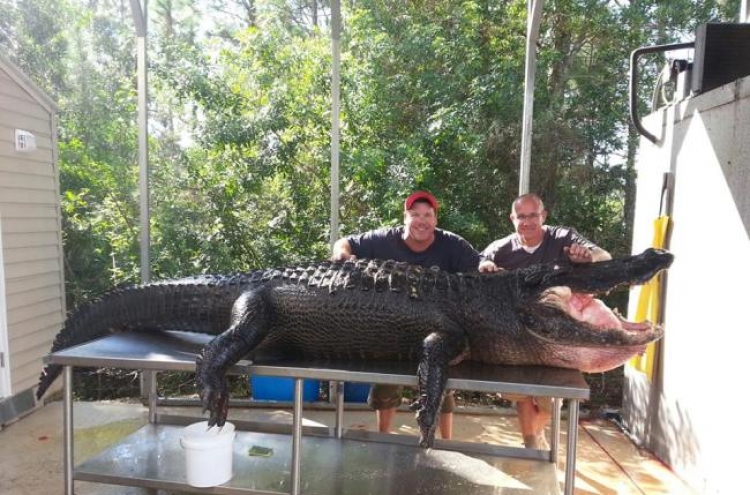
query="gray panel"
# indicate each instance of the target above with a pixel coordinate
(16, 406)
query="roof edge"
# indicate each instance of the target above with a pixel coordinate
(22, 79)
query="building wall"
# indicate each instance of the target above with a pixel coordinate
(31, 231)
(692, 413)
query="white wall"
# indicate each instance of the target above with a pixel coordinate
(693, 415)
(5, 386)
(34, 296)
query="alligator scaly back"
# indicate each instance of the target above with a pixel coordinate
(204, 303)
(196, 304)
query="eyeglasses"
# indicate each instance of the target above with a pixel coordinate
(531, 216)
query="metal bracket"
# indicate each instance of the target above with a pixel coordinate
(634, 56)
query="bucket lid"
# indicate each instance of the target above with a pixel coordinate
(200, 433)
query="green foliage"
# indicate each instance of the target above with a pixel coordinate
(432, 97)
(33, 34)
(431, 102)
(256, 185)
(98, 149)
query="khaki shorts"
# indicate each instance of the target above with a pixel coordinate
(389, 396)
(543, 403)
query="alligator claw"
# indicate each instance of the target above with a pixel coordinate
(214, 394)
(216, 402)
(427, 421)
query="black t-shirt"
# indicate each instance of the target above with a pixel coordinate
(509, 253)
(449, 252)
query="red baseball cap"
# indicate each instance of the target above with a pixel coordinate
(421, 195)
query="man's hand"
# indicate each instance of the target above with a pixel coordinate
(578, 253)
(342, 251)
(488, 266)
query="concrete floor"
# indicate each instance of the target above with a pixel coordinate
(31, 448)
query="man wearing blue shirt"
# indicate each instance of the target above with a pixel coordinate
(420, 242)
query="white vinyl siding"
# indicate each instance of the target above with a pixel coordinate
(30, 208)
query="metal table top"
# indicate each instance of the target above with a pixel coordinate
(176, 351)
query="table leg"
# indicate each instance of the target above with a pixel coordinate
(570, 461)
(339, 410)
(150, 384)
(296, 435)
(68, 429)
(555, 444)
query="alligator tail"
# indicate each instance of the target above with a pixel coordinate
(201, 304)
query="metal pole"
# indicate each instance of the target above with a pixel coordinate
(140, 16)
(335, 111)
(139, 20)
(68, 429)
(297, 436)
(143, 152)
(532, 33)
(141, 30)
(339, 409)
(745, 11)
(335, 126)
(555, 443)
(570, 458)
(153, 397)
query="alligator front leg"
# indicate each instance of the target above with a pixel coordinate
(438, 351)
(249, 326)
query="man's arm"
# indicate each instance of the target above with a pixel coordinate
(579, 253)
(599, 254)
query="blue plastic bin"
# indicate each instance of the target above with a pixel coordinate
(282, 389)
(356, 392)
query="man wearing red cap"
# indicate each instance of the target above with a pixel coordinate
(419, 242)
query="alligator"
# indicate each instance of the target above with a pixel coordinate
(382, 310)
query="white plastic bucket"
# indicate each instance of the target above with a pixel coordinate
(208, 453)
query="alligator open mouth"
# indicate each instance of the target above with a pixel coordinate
(564, 317)
(591, 310)
(579, 330)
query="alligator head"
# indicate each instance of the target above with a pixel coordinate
(560, 322)
(575, 329)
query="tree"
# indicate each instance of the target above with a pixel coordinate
(33, 35)
(255, 182)
(240, 130)
(98, 150)
(431, 102)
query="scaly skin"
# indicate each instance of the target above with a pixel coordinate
(377, 310)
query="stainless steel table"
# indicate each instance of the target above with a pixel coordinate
(176, 351)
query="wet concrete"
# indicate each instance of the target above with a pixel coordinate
(31, 448)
